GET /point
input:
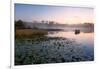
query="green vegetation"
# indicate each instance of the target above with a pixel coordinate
(19, 24)
(21, 32)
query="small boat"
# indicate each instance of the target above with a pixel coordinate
(77, 31)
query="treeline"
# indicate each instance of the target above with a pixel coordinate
(23, 25)
(19, 24)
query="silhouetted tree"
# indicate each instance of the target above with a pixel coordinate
(19, 24)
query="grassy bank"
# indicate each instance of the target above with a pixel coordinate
(29, 33)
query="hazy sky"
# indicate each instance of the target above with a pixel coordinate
(61, 14)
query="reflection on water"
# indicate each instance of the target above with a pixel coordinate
(81, 37)
(57, 47)
(85, 39)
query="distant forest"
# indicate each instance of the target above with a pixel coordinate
(19, 24)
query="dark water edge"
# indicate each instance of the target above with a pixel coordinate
(49, 50)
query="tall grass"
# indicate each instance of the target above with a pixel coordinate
(29, 33)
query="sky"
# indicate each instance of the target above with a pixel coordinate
(60, 14)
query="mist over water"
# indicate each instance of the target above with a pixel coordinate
(84, 38)
(53, 34)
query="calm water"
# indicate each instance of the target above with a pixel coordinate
(86, 40)
(60, 46)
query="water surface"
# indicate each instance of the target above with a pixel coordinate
(56, 47)
(86, 40)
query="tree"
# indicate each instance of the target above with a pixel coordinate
(19, 24)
